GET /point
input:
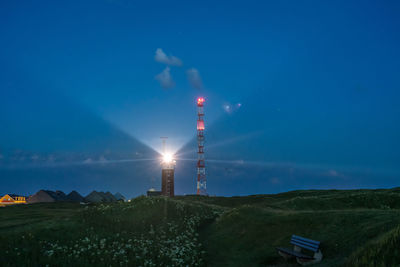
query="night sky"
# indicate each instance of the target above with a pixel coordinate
(299, 94)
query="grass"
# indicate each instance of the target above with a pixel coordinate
(383, 251)
(248, 235)
(355, 227)
(18, 219)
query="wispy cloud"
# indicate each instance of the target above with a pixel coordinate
(194, 78)
(88, 161)
(165, 78)
(333, 173)
(161, 57)
(274, 180)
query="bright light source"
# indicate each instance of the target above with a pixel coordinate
(200, 101)
(168, 158)
(200, 125)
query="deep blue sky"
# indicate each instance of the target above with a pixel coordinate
(299, 94)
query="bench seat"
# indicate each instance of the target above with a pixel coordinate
(295, 253)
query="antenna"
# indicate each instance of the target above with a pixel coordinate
(164, 140)
(201, 168)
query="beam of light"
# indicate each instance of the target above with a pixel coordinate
(178, 151)
(116, 161)
(75, 163)
(173, 144)
(324, 169)
(223, 142)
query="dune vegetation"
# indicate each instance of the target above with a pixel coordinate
(355, 227)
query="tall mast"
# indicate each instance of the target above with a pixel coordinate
(201, 168)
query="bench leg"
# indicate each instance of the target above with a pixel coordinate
(288, 256)
(285, 256)
(317, 258)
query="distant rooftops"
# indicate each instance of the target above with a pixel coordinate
(59, 196)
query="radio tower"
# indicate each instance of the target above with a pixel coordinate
(201, 167)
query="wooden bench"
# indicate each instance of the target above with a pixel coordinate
(299, 244)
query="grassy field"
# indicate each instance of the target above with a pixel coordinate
(355, 227)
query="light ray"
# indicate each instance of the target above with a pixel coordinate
(76, 163)
(302, 166)
(224, 142)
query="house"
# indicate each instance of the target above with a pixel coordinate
(95, 197)
(75, 197)
(120, 197)
(12, 199)
(43, 196)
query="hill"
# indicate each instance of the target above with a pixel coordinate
(355, 227)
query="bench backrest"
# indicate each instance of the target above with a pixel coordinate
(305, 243)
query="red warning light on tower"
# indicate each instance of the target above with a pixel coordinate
(200, 125)
(200, 101)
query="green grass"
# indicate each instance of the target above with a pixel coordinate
(248, 235)
(355, 227)
(383, 251)
(17, 219)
